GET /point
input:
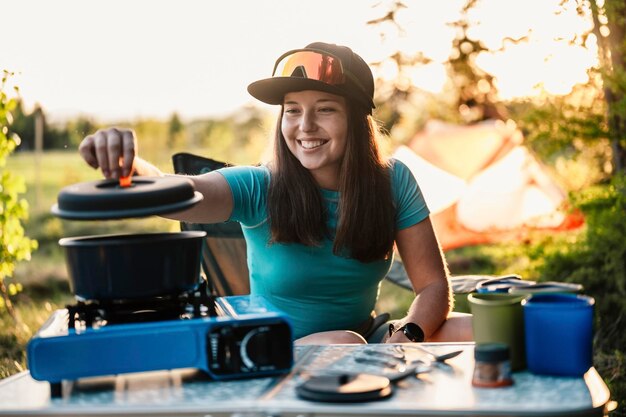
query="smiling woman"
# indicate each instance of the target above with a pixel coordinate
(322, 218)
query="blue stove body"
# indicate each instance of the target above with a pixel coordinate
(247, 338)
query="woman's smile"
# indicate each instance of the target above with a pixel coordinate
(311, 143)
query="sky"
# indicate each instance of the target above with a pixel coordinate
(125, 59)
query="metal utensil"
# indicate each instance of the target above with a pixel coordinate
(445, 356)
(400, 366)
(378, 362)
(394, 354)
(413, 370)
(437, 358)
(402, 370)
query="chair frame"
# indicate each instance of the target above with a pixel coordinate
(218, 283)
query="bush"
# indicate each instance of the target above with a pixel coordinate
(597, 260)
(14, 245)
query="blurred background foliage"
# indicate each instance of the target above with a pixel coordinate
(579, 136)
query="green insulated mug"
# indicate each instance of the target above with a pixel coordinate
(499, 318)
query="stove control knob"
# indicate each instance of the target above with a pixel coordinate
(223, 354)
(255, 348)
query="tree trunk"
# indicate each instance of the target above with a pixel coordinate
(613, 62)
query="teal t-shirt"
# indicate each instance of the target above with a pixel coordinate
(318, 290)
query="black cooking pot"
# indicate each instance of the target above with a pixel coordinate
(115, 267)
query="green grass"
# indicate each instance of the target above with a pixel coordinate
(33, 305)
(53, 171)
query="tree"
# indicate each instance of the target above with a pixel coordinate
(609, 18)
(175, 131)
(476, 92)
(78, 128)
(472, 91)
(23, 125)
(394, 95)
(14, 245)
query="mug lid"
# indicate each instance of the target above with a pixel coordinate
(548, 287)
(491, 352)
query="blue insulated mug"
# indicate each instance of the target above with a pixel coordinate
(559, 333)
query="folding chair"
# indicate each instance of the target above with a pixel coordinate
(224, 250)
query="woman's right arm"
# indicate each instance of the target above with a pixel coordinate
(114, 151)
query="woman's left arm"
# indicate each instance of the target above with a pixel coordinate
(425, 265)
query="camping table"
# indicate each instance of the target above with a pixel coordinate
(444, 391)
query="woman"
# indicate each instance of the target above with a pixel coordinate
(322, 218)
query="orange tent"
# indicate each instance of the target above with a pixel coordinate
(482, 185)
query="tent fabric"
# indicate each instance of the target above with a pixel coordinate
(482, 185)
(441, 189)
(464, 151)
(512, 192)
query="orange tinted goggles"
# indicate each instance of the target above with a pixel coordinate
(312, 65)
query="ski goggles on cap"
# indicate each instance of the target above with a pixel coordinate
(313, 65)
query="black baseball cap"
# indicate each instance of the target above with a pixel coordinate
(319, 66)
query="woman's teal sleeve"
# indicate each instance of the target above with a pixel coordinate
(248, 185)
(411, 207)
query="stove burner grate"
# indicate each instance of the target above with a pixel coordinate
(97, 313)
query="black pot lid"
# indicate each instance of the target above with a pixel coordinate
(106, 199)
(345, 388)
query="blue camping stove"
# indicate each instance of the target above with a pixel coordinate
(226, 337)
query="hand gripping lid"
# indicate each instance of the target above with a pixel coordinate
(106, 199)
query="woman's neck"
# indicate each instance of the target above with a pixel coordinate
(326, 180)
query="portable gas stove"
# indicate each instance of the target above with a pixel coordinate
(141, 304)
(226, 337)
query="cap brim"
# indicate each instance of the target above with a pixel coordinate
(273, 90)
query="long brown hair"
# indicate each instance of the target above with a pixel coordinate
(365, 223)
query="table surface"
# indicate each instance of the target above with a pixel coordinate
(445, 390)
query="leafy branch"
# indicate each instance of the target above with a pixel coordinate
(14, 245)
